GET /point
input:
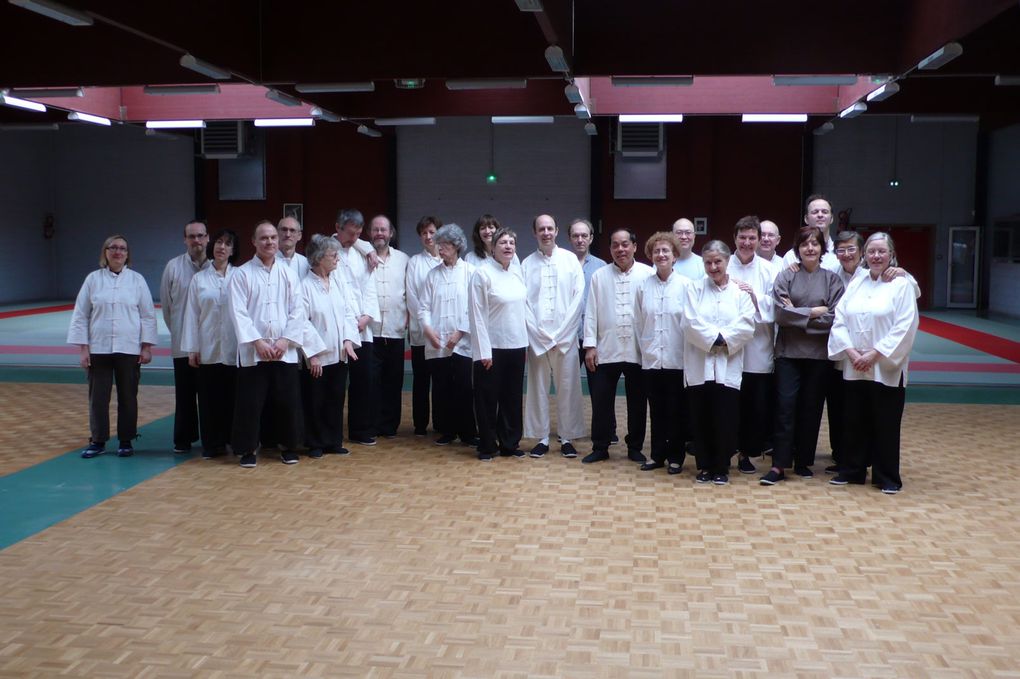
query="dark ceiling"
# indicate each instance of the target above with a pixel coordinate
(284, 42)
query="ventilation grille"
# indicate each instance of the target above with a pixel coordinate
(223, 139)
(639, 139)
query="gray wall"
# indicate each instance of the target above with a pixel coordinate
(935, 164)
(541, 168)
(95, 182)
(1004, 201)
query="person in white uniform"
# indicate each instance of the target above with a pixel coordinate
(211, 344)
(114, 326)
(173, 294)
(389, 329)
(555, 284)
(688, 264)
(817, 213)
(417, 268)
(291, 231)
(481, 241)
(769, 242)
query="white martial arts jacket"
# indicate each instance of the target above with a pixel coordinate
(658, 318)
(555, 299)
(712, 311)
(759, 274)
(113, 313)
(265, 303)
(417, 268)
(207, 329)
(390, 281)
(297, 262)
(173, 294)
(496, 309)
(609, 313)
(359, 285)
(331, 321)
(443, 306)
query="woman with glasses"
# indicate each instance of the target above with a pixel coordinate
(114, 325)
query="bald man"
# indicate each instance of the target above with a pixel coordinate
(688, 264)
(290, 231)
(769, 242)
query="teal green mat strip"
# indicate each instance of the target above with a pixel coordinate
(57, 375)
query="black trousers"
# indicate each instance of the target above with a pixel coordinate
(186, 403)
(714, 409)
(499, 400)
(757, 391)
(801, 384)
(835, 402)
(323, 404)
(216, 383)
(361, 394)
(667, 407)
(273, 387)
(588, 374)
(388, 354)
(421, 384)
(452, 397)
(602, 385)
(873, 414)
(107, 369)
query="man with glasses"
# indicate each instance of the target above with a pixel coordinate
(173, 293)
(688, 264)
(290, 231)
(769, 242)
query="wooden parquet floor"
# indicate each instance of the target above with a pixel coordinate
(410, 560)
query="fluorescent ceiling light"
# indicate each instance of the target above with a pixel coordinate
(1007, 80)
(281, 98)
(815, 80)
(522, 120)
(199, 66)
(824, 128)
(49, 93)
(320, 113)
(853, 110)
(404, 121)
(590, 129)
(284, 122)
(409, 83)
(884, 92)
(173, 124)
(557, 62)
(88, 118)
(489, 84)
(774, 118)
(529, 5)
(368, 131)
(171, 90)
(962, 118)
(573, 93)
(581, 111)
(55, 10)
(21, 103)
(940, 57)
(652, 81)
(29, 127)
(315, 88)
(652, 118)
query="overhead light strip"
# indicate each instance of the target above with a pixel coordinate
(54, 10)
(174, 124)
(319, 88)
(391, 122)
(198, 66)
(48, 93)
(320, 113)
(884, 92)
(556, 60)
(774, 118)
(853, 110)
(284, 122)
(368, 131)
(173, 90)
(814, 80)
(488, 84)
(88, 118)
(652, 118)
(940, 57)
(16, 102)
(282, 98)
(652, 81)
(522, 120)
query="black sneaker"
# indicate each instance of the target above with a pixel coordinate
(539, 450)
(182, 449)
(248, 461)
(614, 439)
(650, 466)
(674, 468)
(420, 432)
(703, 477)
(636, 456)
(338, 451)
(485, 457)
(771, 478)
(125, 449)
(363, 440)
(288, 457)
(839, 480)
(890, 489)
(445, 440)
(93, 449)
(472, 442)
(803, 471)
(720, 479)
(745, 466)
(568, 450)
(832, 469)
(315, 453)
(595, 456)
(506, 452)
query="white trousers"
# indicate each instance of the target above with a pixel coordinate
(564, 371)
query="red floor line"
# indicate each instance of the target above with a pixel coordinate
(961, 367)
(35, 311)
(975, 339)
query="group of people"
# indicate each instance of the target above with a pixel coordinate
(266, 353)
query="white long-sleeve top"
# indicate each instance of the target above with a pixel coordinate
(113, 313)
(474, 260)
(880, 315)
(390, 285)
(207, 328)
(658, 318)
(297, 262)
(555, 299)
(692, 268)
(265, 303)
(829, 260)
(359, 284)
(443, 306)
(862, 270)
(497, 298)
(331, 321)
(417, 268)
(173, 295)
(712, 311)
(759, 274)
(609, 312)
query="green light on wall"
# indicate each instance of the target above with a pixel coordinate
(491, 178)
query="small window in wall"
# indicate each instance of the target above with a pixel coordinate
(1006, 241)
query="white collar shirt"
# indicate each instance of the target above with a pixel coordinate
(443, 306)
(496, 307)
(712, 311)
(555, 295)
(265, 303)
(330, 319)
(609, 313)
(359, 285)
(417, 268)
(589, 266)
(693, 267)
(297, 262)
(173, 294)
(113, 313)
(207, 329)
(830, 261)
(760, 275)
(390, 278)
(658, 318)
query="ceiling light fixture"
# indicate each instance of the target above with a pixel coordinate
(573, 93)
(522, 120)
(557, 62)
(8, 100)
(171, 90)
(590, 129)
(940, 57)
(284, 122)
(88, 118)
(404, 121)
(884, 92)
(774, 118)
(54, 10)
(198, 66)
(322, 114)
(813, 80)
(652, 80)
(282, 98)
(368, 131)
(530, 5)
(316, 88)
(490, 84)
(49, 93)
(652, 118)
(853, 110)
(174, 124)
(581, 111)
(1007, 80)
(961, 118)
(824, 128)
(409, 83)
(29, 127)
